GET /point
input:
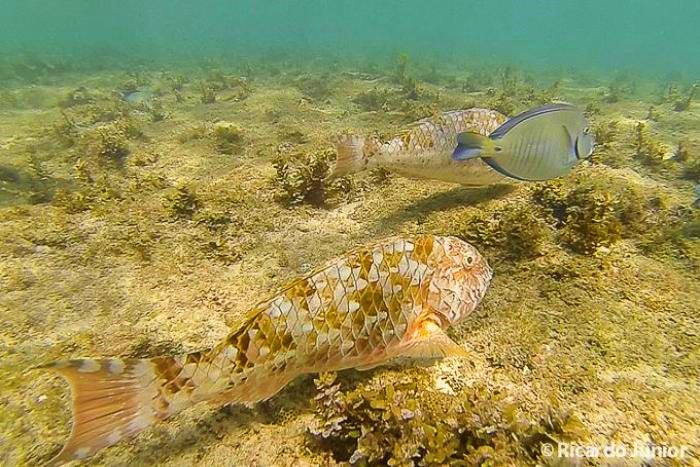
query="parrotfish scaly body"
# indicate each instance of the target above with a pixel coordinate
(389, 299)
(424, 149)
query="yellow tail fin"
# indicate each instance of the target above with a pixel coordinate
(112, 400)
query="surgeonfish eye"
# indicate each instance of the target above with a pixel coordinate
(586, 131)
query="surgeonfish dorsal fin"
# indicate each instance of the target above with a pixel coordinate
(501, 131)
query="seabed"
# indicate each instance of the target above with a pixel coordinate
(138, 224)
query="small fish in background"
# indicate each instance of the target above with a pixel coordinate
(423, 150)
(394, 298)
(539, 144)
(696, 204)
(139, 97)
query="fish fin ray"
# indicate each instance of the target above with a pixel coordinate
(351, 155)
(430, 341)
(472, 145)
(122, 409)
(254, 389)
(501, 131)
(493, 163)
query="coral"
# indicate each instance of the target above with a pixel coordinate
(514, 231)
(410, 89)
(692, 168)
(177, 82)
(678, 237)
(241, 89)
(682, 152)
(524, 233)
(301, 177)
(400, 424)
(129, 86)
(413, 110)
(155, 111)
(220, 247)
(227, 137)
(621, 87)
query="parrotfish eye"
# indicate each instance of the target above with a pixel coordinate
(470, 259)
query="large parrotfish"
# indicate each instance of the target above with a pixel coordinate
(389, 299)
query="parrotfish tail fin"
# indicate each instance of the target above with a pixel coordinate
(352, 156)
(113, 399)
(473, 145)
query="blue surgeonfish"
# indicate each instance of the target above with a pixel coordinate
(540, 144)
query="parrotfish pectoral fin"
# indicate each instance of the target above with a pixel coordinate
(430, 341)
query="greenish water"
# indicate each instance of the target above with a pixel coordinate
(164, 166)
(645, 37)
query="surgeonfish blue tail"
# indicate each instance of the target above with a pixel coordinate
(472, 145)
(463, 153)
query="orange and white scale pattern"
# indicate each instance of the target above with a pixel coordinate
(424, 149)
(354, 312)
(374, 303)
(440, 132)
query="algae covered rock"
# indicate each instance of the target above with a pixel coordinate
(227, 136)
(302, 177)
(406, 423)
(596, 211)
